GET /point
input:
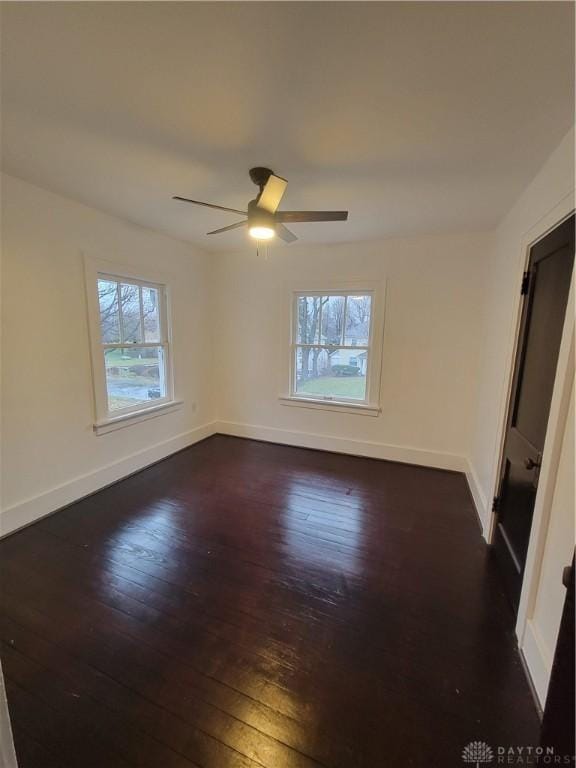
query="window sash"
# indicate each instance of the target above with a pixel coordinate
(362, 347)
(329, 398)
(143, 344)
(295, 344)
(143, 405)
(162, 319)
(328, 295)
(162, 343)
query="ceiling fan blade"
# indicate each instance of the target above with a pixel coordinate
(285, 234)
(226, 229)
(210, 205)
(272, 193)
(296, 216)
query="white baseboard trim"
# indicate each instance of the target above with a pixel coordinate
(25, 512)
(480, 500)
(538, 660)
(373, 450)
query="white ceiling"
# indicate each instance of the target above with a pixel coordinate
(416, 117)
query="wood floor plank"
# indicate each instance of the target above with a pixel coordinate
(31, 752)
(253, 605)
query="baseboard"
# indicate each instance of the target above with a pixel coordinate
(25, 512)
(373, 450)
(537, 661)
(480, 501)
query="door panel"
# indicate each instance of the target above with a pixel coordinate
(551, 282)
(549, 274)
(520, 495)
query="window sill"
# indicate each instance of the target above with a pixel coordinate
(134, 417)
(330, 405)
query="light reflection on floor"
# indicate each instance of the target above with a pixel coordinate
(309, 546)
(161, 516)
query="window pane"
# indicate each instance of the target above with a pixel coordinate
(337, 373)
(134, 375)
(357, 321)
(108, 300)
(308, 319)
(151, 314)
(332, 319)
(130, 306)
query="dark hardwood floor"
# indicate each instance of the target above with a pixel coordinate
(242, 604)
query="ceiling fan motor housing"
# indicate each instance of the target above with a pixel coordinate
(258, 217)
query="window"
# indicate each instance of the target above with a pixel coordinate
(333, 356)
(130, 346)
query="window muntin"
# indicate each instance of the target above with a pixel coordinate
(331, 349)
(134, 343)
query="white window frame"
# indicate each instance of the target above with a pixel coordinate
(106, 420)
(370, 406)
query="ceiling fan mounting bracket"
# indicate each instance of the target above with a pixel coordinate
(260, 176)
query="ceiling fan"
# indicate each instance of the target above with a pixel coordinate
(263, 218)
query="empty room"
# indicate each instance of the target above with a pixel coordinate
(287, 384)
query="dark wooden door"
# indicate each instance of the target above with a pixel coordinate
(558, 721)
(546, 286)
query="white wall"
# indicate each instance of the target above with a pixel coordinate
(434, 293)
(50, 452)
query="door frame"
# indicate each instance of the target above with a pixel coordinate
(556, 422)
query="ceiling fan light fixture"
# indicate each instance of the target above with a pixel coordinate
(263, 219)
(261, 232)
(261, 224)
